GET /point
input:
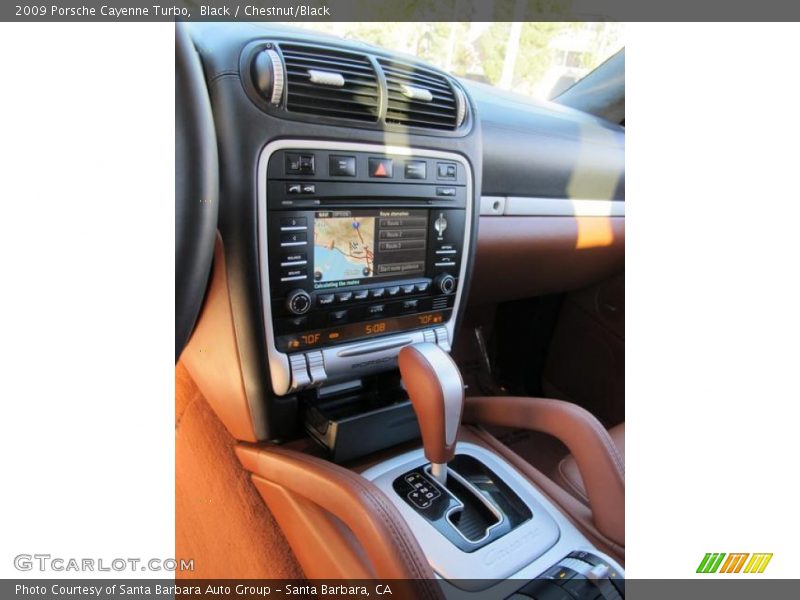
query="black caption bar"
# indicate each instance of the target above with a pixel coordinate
(399, 10)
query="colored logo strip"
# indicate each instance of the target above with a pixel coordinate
(713, 562)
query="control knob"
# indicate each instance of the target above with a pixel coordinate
(445, 283)
(298, 302)
(268, 75)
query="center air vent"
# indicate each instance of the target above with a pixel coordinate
(331, 83)
(421, 98)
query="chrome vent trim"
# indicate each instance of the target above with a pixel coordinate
(331, 83)
(419, 97)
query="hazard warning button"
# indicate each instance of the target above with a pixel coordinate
(380, 167)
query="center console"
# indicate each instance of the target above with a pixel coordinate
(363, 251)
(483, 528)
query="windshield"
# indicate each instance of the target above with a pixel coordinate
(539, 60)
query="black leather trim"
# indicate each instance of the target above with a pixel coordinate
(196, 187)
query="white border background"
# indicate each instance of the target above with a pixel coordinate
(86, 342)
(87, 320)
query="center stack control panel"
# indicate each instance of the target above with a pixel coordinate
(362, 252)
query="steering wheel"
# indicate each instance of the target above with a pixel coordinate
(196, 187)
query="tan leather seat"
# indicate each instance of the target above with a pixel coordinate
(569, 477)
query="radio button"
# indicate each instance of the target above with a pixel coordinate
(377, 292)
(423, 287)
(337, 316)
(342, 166)
(310, 188)
(297, 322)
(380, 167)
(446, 170)
(445, 283)
(293, 188)
(294, 263)
(416, 169)
(324, 299)
(293, 236)
(376, 309)
(360, 294)
(299, 163)
(292, 274)
(408, 289)
(445, 191)
(344, 296)
(393, 290)
(410, 304)
(298, 302)
(296, 257)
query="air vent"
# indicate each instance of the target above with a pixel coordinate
(421, 98)
(327, 82)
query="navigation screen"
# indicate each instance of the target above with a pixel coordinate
(351, 246)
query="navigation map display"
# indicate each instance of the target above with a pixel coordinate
(352, 246)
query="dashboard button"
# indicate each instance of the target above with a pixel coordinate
(298, 302)
(294, 222)
(380, 167)
(408, 289)
(290, 274)
(445, 191)
(416, 169)
(344, 296)
(310, 188)
(299, 163)
(324, 299)
(297, 322)
(294, 257)
(393, 290)
(293, 237)
(377, 293)
(423, 287)
(376, 309)
(293, 188)
(446, 170)
(360, 294)
(338, 316)
(342, 166)
(410, 304)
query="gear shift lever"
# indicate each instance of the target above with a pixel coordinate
(436, 390)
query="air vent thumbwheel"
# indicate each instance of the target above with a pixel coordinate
(269, 76)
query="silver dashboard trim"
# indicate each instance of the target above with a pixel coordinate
(280, 373)
(522, 206)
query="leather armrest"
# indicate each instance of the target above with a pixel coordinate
(601, 467)
(391, 548)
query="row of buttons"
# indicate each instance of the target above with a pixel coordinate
(308, 189)
(294, 233)
(307, 369)
(394, 290)
(345, 166)
(337, 317)
(354, 314)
